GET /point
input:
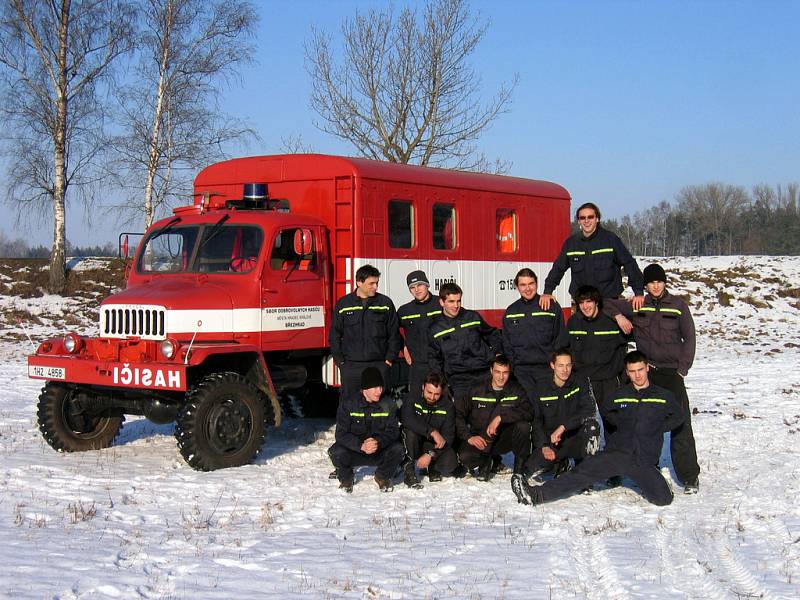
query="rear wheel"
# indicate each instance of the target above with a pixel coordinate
(69, 424)
(223, 422)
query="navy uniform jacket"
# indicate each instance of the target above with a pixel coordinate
(476, 410)
(415, 318)
(462, 344)
(641, 417)
(357, 420)
(568, 405)
(529, 333)
(598, 345)
(364, 330)
(423, 418)
(595, 261)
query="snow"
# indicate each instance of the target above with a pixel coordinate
(134, 521)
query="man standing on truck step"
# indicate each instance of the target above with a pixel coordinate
(429, 431)
(415, 318)
(664, 330)
(494, 418)
(364, 331)
(641, 412)
(594, 256)
(530, 332)
(460, 343)
(367, 433)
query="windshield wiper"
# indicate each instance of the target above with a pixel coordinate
(215, 229)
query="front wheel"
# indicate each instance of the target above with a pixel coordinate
(69, 424)
(222, 423)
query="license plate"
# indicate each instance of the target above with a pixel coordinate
(43, 372)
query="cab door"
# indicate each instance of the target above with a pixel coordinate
(294, 289)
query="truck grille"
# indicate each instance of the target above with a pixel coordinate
(140, 321)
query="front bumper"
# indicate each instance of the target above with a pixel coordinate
(153, 376)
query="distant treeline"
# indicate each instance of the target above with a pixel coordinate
(19, 248)
(716, 219)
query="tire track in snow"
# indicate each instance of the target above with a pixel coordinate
(592, 566)
(744, 583)
(606, 572)
(697, 583)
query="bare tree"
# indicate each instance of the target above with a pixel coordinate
(172, 119)
(54, 57)
(403, 89)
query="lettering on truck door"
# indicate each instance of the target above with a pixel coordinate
(293, 289)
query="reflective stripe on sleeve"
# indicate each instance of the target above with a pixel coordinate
(483, 399)
(577, 332)
(654, 400)
(547, 398)
(576, 253)
(614, 332)
(542, 314)
(444, 332)
(470, 324)
(572, 393)
(509, 398)
(434, 312)
(515, 316)
(379, 308)
(671, 310)
(602, 251)
(410, 317)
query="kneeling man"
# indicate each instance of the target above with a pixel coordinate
(367, 433)
(494, 418)
(564, 424)
(429, 430)
(640, 413)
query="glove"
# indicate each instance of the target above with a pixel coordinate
(591, 432)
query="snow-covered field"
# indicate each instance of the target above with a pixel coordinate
(135, 521)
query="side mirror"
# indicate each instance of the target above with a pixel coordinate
(302, 242)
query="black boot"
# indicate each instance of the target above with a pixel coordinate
(345, 477)
(434, 475)
(384, 484)
(484, 471)
(410, 476)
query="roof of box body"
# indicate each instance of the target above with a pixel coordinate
(300, 167)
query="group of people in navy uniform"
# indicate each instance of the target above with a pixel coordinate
(534, 388)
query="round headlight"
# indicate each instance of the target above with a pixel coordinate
(169, 348)
(72, 343)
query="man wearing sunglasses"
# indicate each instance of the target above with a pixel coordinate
(594, 256)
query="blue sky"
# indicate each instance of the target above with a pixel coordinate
(623, 103)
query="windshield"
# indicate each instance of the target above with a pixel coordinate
(221, 249)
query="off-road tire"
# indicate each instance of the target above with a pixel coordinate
(67, 428)
(222, 423)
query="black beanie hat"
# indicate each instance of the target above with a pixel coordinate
(654, 272)
(417, 277)
(370, 378)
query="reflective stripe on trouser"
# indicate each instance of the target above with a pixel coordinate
(599, 468)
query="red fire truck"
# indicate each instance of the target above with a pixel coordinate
(228, 301)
